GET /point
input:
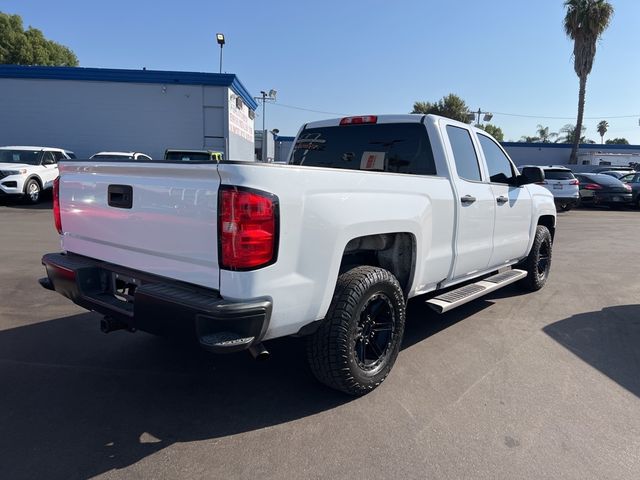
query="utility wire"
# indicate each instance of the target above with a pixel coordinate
(278, 104)
(599, 117)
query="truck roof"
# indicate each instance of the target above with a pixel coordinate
(388, 118)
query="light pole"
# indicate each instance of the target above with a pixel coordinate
(220, 40)
(487, 116)
(264, 98)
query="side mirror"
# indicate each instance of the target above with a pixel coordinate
(531, 175)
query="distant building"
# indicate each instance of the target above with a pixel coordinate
(558, 154)
(95, 109)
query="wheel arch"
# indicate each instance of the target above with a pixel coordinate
(395, 252)
(35, 177)
(548, 221)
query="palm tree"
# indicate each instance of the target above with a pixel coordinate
(584, 23)
(602, 129)
(544, 134)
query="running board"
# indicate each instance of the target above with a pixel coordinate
(460, 296)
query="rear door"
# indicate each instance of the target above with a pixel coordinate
(159, 218)
(513, 209)
(476, 205)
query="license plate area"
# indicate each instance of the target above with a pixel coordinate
(557, 186)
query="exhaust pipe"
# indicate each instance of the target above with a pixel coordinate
(258, 352)
(110, 324)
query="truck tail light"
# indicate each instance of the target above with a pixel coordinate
(592, 186)
(57, 219)
(248, 228)
(359, 120)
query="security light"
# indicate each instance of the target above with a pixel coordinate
(487, 117)
(220, 38)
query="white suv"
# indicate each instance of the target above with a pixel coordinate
(563, 184)
(27, 171)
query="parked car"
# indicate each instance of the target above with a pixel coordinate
(27, 171)
(370, 211)
(123, 156)
(633, 180)
(617, 173)
(193, 155)
(600, 189)
(561, 182)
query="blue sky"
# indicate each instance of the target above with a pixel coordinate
(352, 56)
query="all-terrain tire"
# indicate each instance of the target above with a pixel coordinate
(538, 262)
(366, 317)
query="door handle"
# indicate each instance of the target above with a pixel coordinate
(502, 199)
(468, 199)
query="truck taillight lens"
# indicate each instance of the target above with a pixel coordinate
(57, 219)
(248, 228)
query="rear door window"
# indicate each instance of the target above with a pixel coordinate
(464, 153)
(393, 147)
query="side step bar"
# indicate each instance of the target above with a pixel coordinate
(460, 296)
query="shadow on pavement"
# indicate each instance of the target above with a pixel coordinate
(608, 340)
(46, 203)
(76, 403)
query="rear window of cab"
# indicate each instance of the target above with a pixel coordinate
(393, 147)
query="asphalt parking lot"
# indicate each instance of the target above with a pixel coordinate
(542, 385)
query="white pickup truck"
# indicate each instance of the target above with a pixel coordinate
(369, 212)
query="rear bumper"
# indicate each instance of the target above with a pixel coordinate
(610, 198)
(157, 305)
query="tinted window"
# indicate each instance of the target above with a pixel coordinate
(58, 156)
(558, 174)
(463, 153)
(498, 163)
(601, 179)
(628, 178)
(188, 156)
(71, 155)
(48, 159)
(393, 147)
(113, 157)
(29, 157)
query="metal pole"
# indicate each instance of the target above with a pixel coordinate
(221, 58)
(264, 97)
(479, 113)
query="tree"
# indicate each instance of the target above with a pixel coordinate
(450, 106)
(617, 141)
(602, 129)
(493, 130)
(544, 134)
(569, 132)
(584, 23)
(30, 47)
(528, 139)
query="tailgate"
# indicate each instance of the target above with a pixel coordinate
(168, 228)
